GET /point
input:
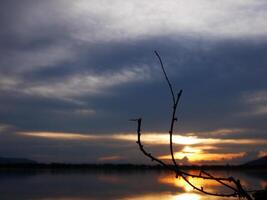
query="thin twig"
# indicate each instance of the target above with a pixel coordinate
(167, 79)
(220, 181)
(238, 191)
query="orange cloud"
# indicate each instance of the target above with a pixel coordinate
(194, 154)
(262, 153)
(163, 138)
(109, 158)
(195, 149)
(149, 138)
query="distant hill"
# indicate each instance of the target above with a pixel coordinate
(259, 162)
(6, 160)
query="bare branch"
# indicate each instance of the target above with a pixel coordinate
(179, 172)
(165, 74)
(238, 190)
(173, 120)
(141, 146)
(175, 103)
(219, 181)
(209, 193)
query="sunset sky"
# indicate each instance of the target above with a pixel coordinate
(72, 73)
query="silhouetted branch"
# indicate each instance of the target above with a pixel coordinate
(141, 146)
(219, 181)
(165, 74)
(238, 190)
(177, 170)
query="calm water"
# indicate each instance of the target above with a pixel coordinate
(98, 185)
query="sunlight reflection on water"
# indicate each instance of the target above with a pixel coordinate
(114, 185)
(186, 196)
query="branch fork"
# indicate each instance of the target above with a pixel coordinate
(237, 189)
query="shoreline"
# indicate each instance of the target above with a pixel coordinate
(124, 167)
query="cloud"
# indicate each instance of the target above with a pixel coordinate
(123, 80)
(196, 150)
(29, 60)
(4, 128)
(150, 138)
(110, 158)
(84, 112)
(96, 21)
(77, 85)
(131, 19)
(257, 102)
(58, 136)
(256, 97)
(262, 153)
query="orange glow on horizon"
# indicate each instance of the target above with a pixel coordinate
(195, 157)
(262, 153)
(195, 149)
(150, 138)
(194, 154)
(154, 138)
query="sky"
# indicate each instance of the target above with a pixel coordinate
(72, 73)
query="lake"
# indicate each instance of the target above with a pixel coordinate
(114, 185)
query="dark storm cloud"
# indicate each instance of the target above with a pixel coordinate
(89, 67)
(223, 66)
